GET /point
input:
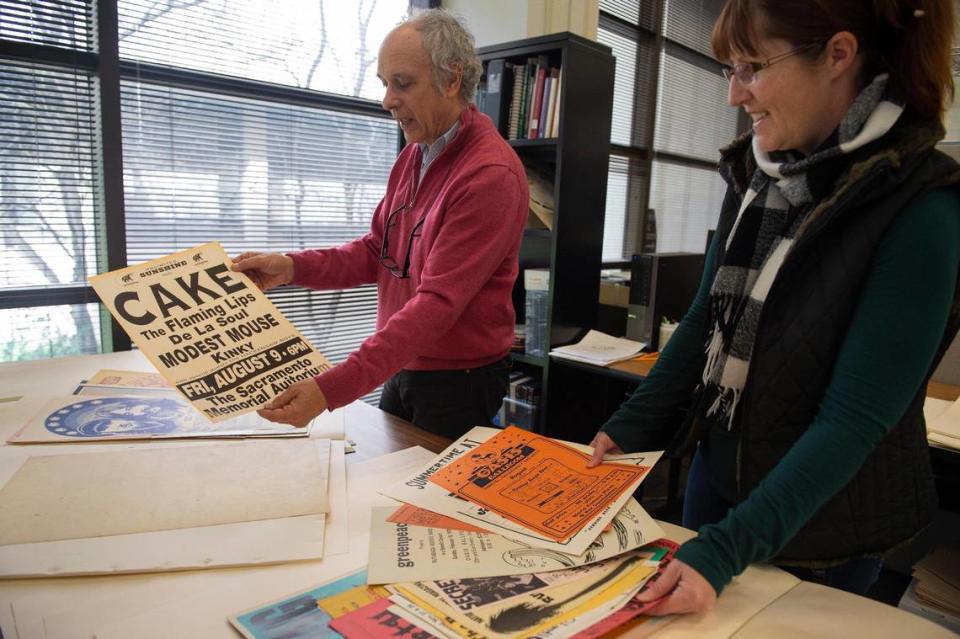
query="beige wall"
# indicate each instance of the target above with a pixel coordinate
(496, 21)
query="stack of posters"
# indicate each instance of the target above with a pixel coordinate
(151, 508)
(505, 534)
(586, 603)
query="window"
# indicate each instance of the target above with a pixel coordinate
(49, 180)
(670, 119)
(251, 122)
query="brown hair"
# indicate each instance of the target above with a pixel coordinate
(909, 39)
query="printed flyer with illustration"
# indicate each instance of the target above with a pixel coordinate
(211, 333)
(536, 482)
(402, 552)
(418, 490)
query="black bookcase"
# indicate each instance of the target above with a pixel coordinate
(576, 160)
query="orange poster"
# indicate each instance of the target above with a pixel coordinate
(414, 516)
(536, 482)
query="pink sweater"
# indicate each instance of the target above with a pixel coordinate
(455, 311)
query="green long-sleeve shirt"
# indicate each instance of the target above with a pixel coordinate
(894, 334)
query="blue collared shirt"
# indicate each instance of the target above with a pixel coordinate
(430, 152)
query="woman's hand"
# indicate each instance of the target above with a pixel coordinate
(602, 445)
(680, 589)
(267, 270)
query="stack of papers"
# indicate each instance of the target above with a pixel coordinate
(147, 508)
(599, 349)
(934, 592)
(943, 423)
(569, 553)
(509, 534)
(505, 534)
(938, 579)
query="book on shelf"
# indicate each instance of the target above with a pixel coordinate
(542, 122)
(551, 114)
(536, 98)
(513, 117)
(523, 98)
(555, 118)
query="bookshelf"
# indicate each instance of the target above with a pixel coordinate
(571, 152)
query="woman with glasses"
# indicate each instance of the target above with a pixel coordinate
(829, 296)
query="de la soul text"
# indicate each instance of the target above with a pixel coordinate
(204, 313)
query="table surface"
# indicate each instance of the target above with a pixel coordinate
(762, 602)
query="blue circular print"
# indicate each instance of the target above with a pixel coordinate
(117, 417)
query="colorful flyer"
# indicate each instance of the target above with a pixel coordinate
(73, 418)
(417, 489)
(413, 516)
(301, 616)
(211, 333)
(403, 552)
(378, 620)
(664, 550)
(536, 482)
(515, 612)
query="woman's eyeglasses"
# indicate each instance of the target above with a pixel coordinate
(388, 262)
(746, 72)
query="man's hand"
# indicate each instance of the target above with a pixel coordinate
(602, 445)
(267, 270)
(681, 589)
(297, 405)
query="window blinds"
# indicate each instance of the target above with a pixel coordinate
(327, 46)
(693, 118)
(690, 23)
(255, 171)
(49, 180)
(250, 122)
(66, 24)
(692, 122)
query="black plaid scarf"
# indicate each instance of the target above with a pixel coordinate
(783, 189)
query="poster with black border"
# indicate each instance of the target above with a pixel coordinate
(211, 333)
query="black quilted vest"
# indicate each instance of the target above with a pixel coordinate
(803, 323)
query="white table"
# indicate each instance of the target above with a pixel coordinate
(763, 602)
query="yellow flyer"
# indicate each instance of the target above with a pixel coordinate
(536, 482)
(211, 333)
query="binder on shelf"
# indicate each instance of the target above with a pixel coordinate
(499, 90)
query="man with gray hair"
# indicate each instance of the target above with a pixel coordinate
(442, 249)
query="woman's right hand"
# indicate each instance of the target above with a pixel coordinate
(602, 445)
(267, 270)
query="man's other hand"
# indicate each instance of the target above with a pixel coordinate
(297, 405)
(267, 270)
